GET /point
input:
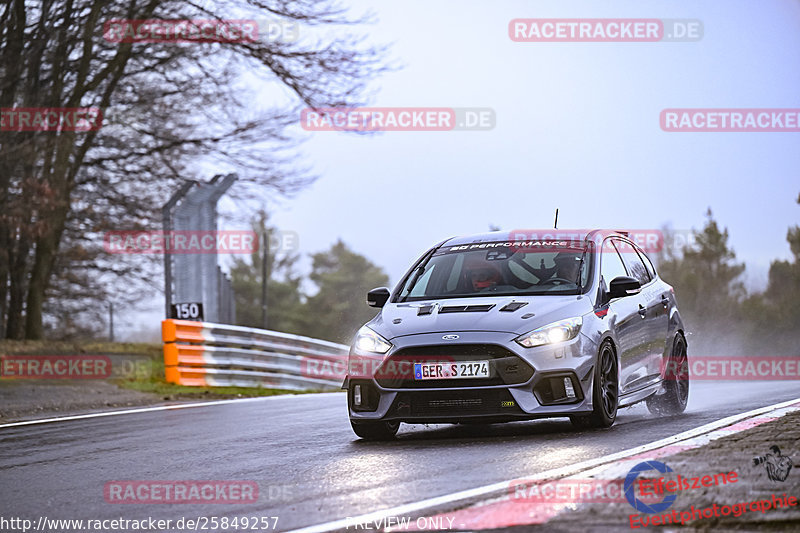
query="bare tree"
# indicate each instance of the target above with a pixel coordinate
(172, 110)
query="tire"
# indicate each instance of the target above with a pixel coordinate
(676, 383)
(605, 391)
(375, 430)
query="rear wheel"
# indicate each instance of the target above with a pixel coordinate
(605, 392)
(375, 430)
(676, 382)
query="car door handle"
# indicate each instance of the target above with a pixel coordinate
(665, 300)
(642, 311)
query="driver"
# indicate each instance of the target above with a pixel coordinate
(484, 278)
(568, 266)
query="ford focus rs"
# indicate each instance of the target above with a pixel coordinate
(489, 329)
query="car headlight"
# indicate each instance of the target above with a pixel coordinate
(369, 341)
(560, 331)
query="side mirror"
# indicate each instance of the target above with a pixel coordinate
(622, 286)
(378, 297)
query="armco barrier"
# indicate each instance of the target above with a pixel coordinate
(221, 355)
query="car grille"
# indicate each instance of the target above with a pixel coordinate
(505, 367)
(455, 403)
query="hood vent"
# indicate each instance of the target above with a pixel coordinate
(513, 306)
(466, 308)
(425, 309)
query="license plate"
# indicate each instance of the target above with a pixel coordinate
(465, 370)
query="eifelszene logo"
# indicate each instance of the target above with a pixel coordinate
(630, 482)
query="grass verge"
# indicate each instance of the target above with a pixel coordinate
(144, 368)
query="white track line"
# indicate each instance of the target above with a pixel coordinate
(156, 408)
(502, 486)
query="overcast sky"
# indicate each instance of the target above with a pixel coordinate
(577, 128)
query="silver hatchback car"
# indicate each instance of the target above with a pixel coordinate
(487, 328)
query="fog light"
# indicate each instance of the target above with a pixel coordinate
(568, 388)
(357, 395)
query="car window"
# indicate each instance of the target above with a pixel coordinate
(611, 265)
(452, 281)
(500, 268)
(422, 282)
(633, 263)
(647, 264)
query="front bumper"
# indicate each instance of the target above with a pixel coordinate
(524, 383)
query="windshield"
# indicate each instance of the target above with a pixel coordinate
(498, 269)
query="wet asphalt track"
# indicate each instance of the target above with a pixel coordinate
(309, 466)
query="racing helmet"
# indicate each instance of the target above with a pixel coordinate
(484, 277)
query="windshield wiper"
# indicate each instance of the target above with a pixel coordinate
(413, 281)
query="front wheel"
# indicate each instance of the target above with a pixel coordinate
(605, 391)
(676, 383)
(375, 430)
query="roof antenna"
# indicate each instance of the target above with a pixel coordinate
(555, 225)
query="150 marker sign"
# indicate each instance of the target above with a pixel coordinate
(188, 311)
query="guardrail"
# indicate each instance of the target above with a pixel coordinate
(221, 355)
